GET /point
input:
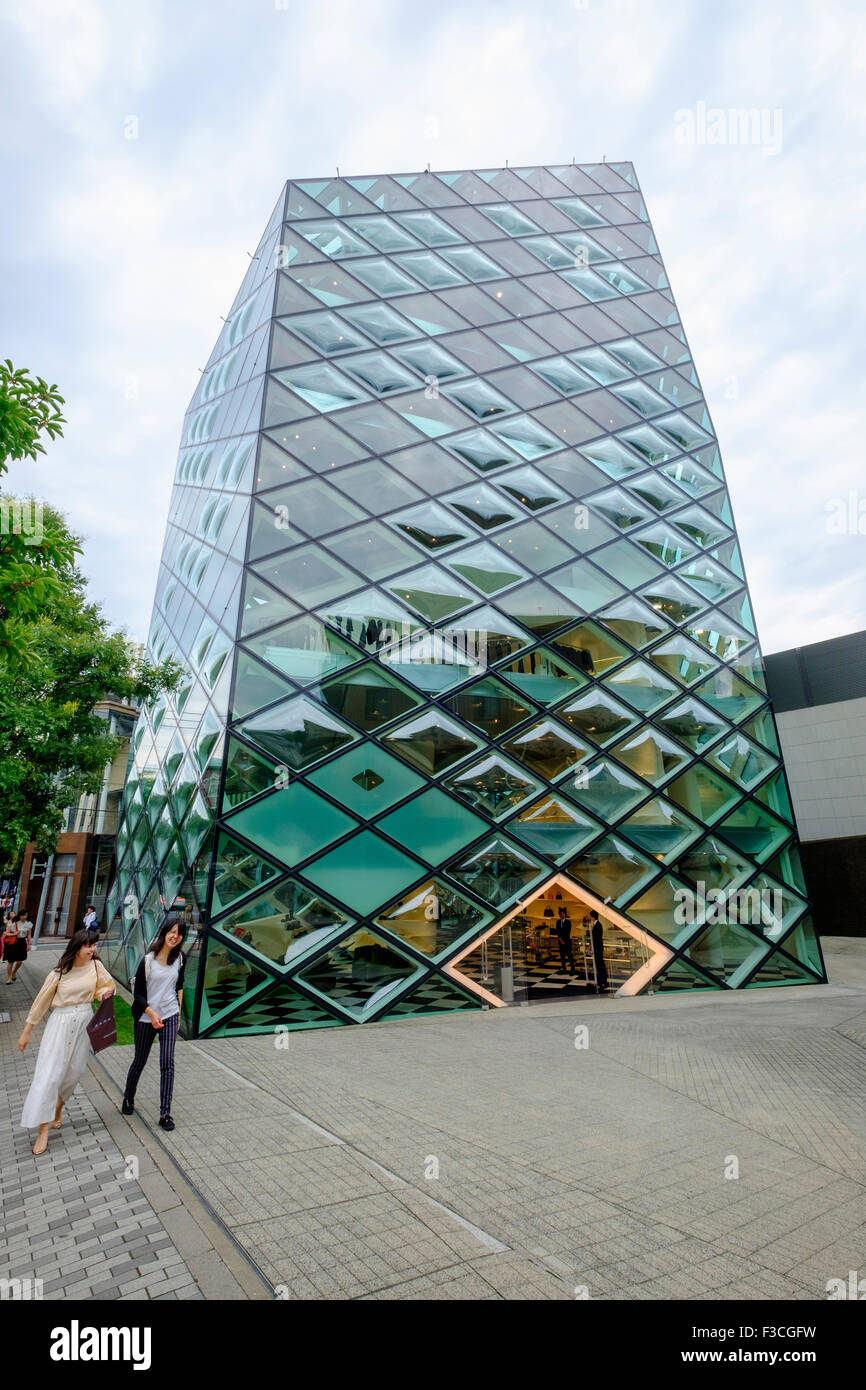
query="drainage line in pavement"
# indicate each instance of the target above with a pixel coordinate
(492, 1243)
(199, 1195)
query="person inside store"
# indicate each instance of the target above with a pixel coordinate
(597, 934)
(563, 936)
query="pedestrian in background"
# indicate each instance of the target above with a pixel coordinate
(66, 996)
(156, 1005)
(16, 944)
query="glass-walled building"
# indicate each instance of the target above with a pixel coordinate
(473, 710)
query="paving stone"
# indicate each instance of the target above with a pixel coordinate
(75, 1210)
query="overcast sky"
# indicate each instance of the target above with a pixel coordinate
(120, 254)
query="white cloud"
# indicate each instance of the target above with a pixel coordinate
(123, 253)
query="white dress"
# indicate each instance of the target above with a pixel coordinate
(63, 1054)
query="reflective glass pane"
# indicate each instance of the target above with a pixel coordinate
(247, 774)
(612, 869)
(553, 827)
(432, 917)
(431, 592)
(291, 824)
(652, 756)
(605, 790)
(498, 872)
(541, 678)
(303, 649)
(368, 697)
(493, 785)
(641, 686)
(366, 780)
(487, 568)
(327, 332)
(284, 923)
(661, 830)
(365, 871)
(433, 826)
(359, 973)
(431, 742)
(238, 872)
(547, 749)
(490, 706)
(297, 732)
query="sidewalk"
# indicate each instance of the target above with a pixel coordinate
(489, 1156)
(104, 1213)
(707, 1146)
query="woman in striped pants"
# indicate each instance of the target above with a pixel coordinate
(157, 998)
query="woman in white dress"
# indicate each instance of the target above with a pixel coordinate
(66, 996)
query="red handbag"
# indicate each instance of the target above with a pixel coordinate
(102, 1029)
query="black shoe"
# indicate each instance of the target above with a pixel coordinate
(166, 1122)
(127, 1108)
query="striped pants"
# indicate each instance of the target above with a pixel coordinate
(144, 1036)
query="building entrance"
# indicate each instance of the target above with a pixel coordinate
(560, 942)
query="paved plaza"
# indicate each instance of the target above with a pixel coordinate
(705, 1146)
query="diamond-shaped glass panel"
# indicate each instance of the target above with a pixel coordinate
(359, 973)
(284, 923)
(490, 706)
(493, 785)
(486, 567)
(432, 592)
(554, 827)
(498, 872)
(547, 749)
(605, 789)
(597, 716)
(368, 696)
(432, 917)
(431, 742)
(366, 780)
(303, 649)
(651, 755)
(433, 826)
(612, 869)
(238, 872)
(291, 824)
(297, 732)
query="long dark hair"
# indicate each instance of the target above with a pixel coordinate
(74, 945)
(159, 940)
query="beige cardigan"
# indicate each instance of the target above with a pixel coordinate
(79, 985)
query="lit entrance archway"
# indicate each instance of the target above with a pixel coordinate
(526, 958)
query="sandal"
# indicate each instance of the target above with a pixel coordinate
(37, 1153)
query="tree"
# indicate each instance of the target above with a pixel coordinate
(37, 552)
(58, 656)
(53, 747)
(29, 408)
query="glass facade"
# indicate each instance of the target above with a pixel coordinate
(468, 653)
